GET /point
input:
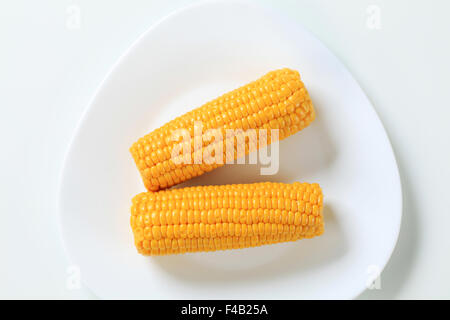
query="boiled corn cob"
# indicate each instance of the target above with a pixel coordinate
(278, 100)
(210, 218)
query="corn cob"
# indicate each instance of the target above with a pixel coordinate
(210, 218)
(278, 100)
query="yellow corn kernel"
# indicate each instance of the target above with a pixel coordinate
(159, 230)
(278, 100)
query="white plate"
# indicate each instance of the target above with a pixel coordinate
(188, 58)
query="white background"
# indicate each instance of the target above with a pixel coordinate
(49, 71)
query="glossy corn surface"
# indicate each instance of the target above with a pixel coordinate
(210, 218)
(278, 100)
